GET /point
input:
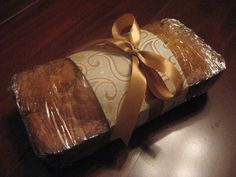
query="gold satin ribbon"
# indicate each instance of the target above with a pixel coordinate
(144, 73)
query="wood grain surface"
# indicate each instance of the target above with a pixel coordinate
(197, 139)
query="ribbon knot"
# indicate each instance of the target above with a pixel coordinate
(135, 51)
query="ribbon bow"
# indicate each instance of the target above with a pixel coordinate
(145, 69)
(144, 73)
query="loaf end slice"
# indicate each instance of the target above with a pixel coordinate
(60, 111)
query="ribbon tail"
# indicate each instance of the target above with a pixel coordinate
(130, 108)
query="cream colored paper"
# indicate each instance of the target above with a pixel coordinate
(108, 72)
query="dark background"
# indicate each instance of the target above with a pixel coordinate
(197, 139)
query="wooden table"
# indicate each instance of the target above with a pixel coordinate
(196, 139)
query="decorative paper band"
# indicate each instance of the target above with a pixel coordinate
(108, 72)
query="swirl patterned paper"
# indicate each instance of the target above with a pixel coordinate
(108, 72)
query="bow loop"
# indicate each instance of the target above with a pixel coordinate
(158, 64)
(121, 24)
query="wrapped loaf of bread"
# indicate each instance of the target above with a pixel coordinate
(70, 106)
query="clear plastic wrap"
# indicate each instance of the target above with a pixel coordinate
(69, 106)
(56, 102)
(198, 60)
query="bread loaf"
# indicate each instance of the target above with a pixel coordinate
(67, 117)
